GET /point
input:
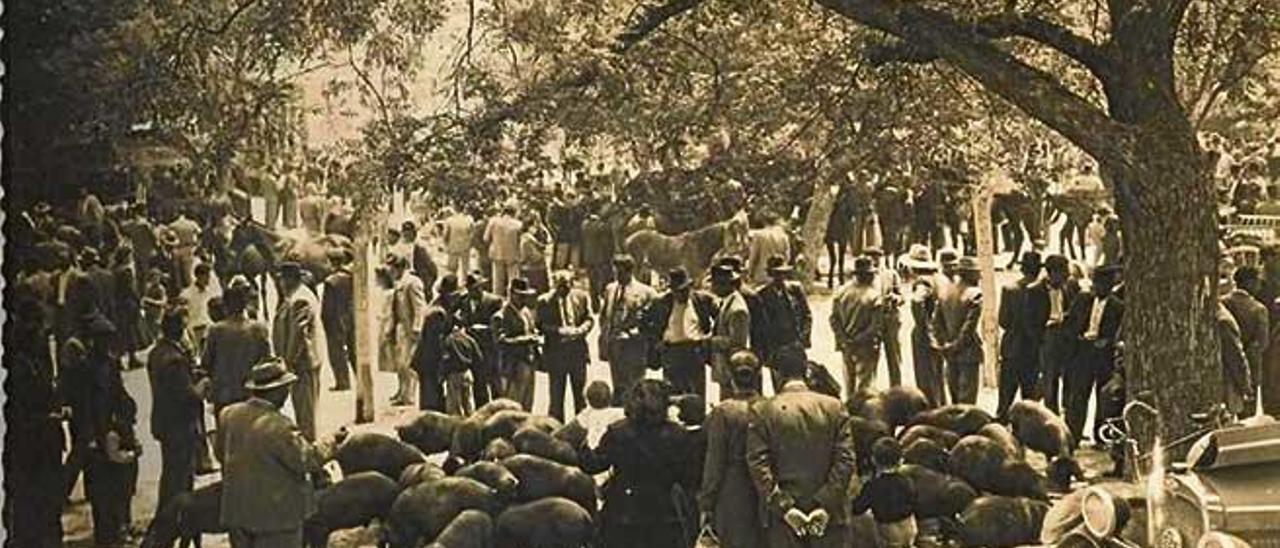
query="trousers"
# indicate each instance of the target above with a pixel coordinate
(1018, 375)
(460, 263)
(684, 366)
(962, 381)
(927, 365)
(893, 353)
(860, 368)
(1055, 353)
(177, 468)
(518, 384)
(305, 393)
(1088, 373)
(503, 273)
(575, 376)
(342, 352)
(626, 366)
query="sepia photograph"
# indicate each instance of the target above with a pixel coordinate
(641, 273)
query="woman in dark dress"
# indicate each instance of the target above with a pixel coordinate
(649, 456)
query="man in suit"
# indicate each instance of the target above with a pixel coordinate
(267, 479)
(784, 323)
(800, 458)
(429, 352)
(888, 285)
(417, 256)
(502, 235)
(1252, 317)
(457, 241)
(622, 343)
(955, 332)
(177, 411)
(564, 319)
(408, 308)
(232, 346)
(1020, 343)
(519, 346)
(337, 313)
(293, 338)
(1093, 323)
(856, 320)
(142, 235)
(476, 309)
(678, 323)
(732, 331)
(1048, 302)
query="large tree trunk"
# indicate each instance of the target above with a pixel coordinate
(1165, 201)
(815, 227)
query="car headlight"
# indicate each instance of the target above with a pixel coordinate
(1218, 539)
(1104, 515)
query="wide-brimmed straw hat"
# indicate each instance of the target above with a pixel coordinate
(918, 258)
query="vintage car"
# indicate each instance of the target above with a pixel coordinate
(1226, 495)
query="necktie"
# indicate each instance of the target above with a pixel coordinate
(618, 313)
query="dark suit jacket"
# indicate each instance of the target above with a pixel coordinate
(597, 243)
(562, 351)
(176, 406)
(783, 318)
(646, 463)
(512, 331)
(476, 314)
(1077, 322)
(424, 267)
(231, 348)
(336, 307)
(1020, 339)
(428, 354)
(1255, 326)
(800, 452)
(1037, 304)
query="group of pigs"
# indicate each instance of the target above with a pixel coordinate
(510, 480)
(969, 471)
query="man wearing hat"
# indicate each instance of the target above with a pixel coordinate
(784, 323)
(519, 346)
(926, 362)
(1094, 324)
(678, 323)
(408, 308)
(1048, 301)
(429, 352)
(337, 312)
(1240, 389)
(1251, 315)
(268, 464)
(476, 309)
(294, 340)
(178, 391)
(621, 342)
(888, 285)
(856, 320)
(564, 319)
(754, 305)
(732, 331)
(955, 331)
(1020, 343)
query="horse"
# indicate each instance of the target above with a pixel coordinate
(844, 229)
(256, 249)
(693, 250)
(1023, 221)
(1078, 210)
(894, 213)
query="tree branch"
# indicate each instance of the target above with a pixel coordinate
(1032, 90)
(1053, 35)
(226, 23)
(649, 19)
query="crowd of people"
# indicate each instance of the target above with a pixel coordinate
(108, 286)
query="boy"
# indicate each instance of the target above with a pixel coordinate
(890, 496)
(598, 415)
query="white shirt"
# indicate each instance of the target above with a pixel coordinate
(597, 421)
(1055, 305)
(1095, 317)
(682, 325)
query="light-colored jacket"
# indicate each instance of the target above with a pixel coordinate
(294, 334)
(408, 309)
(266, 463)
(503, 236)
(856, 318)
(732, 332)
(457, 233)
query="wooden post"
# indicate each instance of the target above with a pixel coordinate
(997, 181)
(365, 344)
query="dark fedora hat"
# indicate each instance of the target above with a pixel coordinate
(778, 264)
(289, 267)
(269, 374)
(95, 323)
(725, 273)
(623, 259)
(520, 286)
(731, 261)
(968, 264)
(678, 278)
(448, 284)
(475, 279)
